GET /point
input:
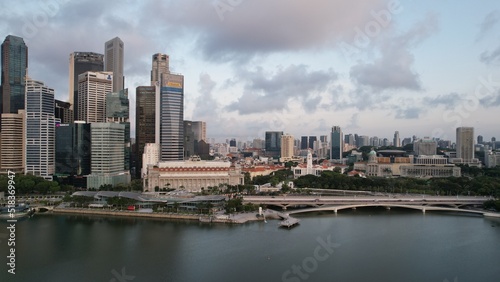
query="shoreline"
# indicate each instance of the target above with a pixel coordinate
(231, 219)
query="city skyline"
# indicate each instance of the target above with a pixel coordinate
(371, 68)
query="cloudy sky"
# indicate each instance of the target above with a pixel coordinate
(250, 66)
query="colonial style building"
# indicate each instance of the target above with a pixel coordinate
(191, 175)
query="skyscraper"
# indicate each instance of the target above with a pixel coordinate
(170, 115)
(40, 130)
(199, 130)
(14, 54)
(81, 62)
(273, 143)
(465, 144)
(63, 111)
(117, 111)
(113, 62)
(144, 121)
(397, 139)
(160, 66)
(188, 139)
(12, 142)
(303, 143)
(73, 149)
(312, 140)
(286, 147)
(92, 90)
(425, 146)
(337, 143)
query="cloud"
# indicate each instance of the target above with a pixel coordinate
(408, 113)
(489, 22)
(271, 92)
(394, 68)
(491, 58)
(449, 101)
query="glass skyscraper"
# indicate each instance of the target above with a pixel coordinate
(337, 143)
(14, 54)
(145, 122)
(273, 143)
(117, 111)
(73, 149)
(40, 130)
(171, 117)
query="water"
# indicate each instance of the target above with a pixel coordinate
(362, 245)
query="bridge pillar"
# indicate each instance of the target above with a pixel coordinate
(335, 211)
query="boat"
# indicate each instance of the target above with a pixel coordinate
(20, 210)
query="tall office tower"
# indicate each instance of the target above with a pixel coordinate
(107, 155)
(12, 142)
(145, 122)
(188, 139)
(40, 130)
(273, 143)
(425, 146)
(312, 141)
(117, 111)
(323, 138)
(73, 149)
(363, 140)
(92, 90)
(170, 116)
(337, 143)
(160, 66)
(465, 144)
(113, 62)
(349, 139)
(14, 65)
(397, 140)
(199, 130)
(480, 139)
(81, 62)
(232, 143)
(62, 111)
(303, 143)
(286, 146)
(386, 142)
(374, 141)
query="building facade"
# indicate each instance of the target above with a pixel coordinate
(14, 59)
(73, 149)
(287, 148)
(170, 108)
(92, 90)
(113, 62)
(145, 121)
(426, 146)
(40, 130)
(81, 62)
(117, 111)
(199, 130)
(13, 142)
(465, 144)
(193, 175)
(63, 111)
(273, 143)
(160, 66)
(337, 143)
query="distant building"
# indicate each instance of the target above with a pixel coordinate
(303, 143)
(273, 143)
(92, 90)
(113, 62)
(465, 144)
(309, 168)
(492, 159)
(81, 62)
(337, 143)
(117, 111)
(145, 121)
(199, 130)
(286, 148)
(73, 149)
(397, 140)
(425, 146)
(161, 65)
(63, 111)
(312, 142)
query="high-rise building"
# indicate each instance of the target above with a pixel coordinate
(62, 111)
(199, 130)
(113, 62)
(188, 139)
(465, 144)
(107, 155)
(40, 130)
(303, 143)
(145, 121)
(232, 143)
(337, 142)
(480, 139)
(425, 146)
(117, 111)
(92, 90)
(160, 66)
(170, 116)
(13, 142)
(14, 59)
(349, 139)
(81, 62)
(73, 149)
(312, 141)
(363, 140)
(286, 147)
(273, 143)
(397, 140)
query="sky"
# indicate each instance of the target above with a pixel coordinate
(372, 67)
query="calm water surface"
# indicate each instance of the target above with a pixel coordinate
(362, 245)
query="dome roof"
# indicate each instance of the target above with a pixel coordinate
(372, 153)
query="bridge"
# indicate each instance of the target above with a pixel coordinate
(42, 208)
(335, 204)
